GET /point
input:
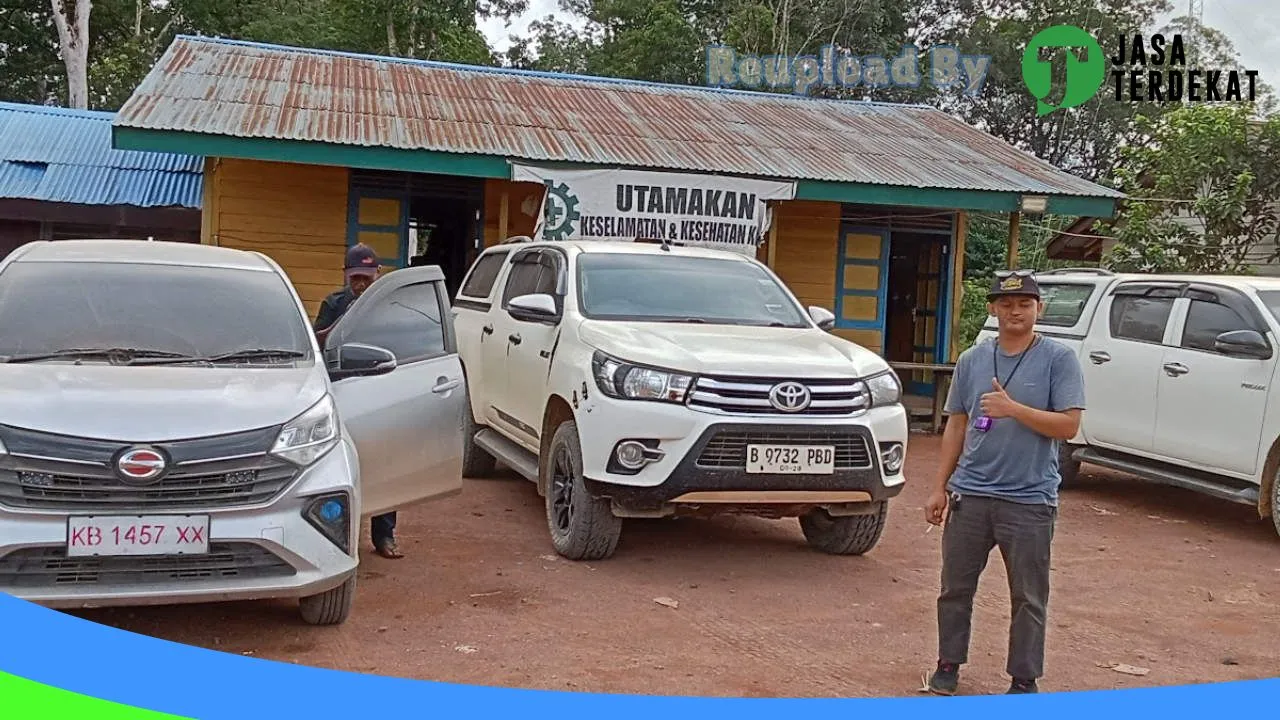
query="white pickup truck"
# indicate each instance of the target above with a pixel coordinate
(1179, 372)
(628, 379)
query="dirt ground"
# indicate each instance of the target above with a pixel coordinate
(1151, 577)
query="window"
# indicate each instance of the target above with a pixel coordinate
(406, 322)
(51, 306)
(1271, 298)
(485, 272)
(1206, 321)
(664, 288)
(1064, 302)
(1140, 318)
(531, 272)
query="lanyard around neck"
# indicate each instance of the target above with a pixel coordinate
(995, 357)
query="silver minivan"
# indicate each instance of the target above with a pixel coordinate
(172, 432)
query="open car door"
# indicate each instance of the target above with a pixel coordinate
(398, 385)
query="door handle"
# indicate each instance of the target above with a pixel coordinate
(444, 384)
(487, 329)
(1097, 357)
(1175, 369)
(515, 339)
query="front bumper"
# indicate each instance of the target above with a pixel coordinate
(255, 553)
(703, 456)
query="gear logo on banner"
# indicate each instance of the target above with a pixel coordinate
(560, 212)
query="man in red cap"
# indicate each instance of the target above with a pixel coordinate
(361, 269)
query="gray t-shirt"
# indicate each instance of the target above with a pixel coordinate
(1010, 460)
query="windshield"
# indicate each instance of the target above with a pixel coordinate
(155, 309)
(666, 288)
(1271, 298)
(1063, 303)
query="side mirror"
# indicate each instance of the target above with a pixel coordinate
(538, 307)
(823, 317)
(1243, 343)
(360, 360)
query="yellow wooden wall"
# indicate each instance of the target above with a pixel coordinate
(295, 214)
(807, 238)
(513, 219)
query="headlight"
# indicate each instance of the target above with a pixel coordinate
(884, 388)
(619, 379)
(310, 435)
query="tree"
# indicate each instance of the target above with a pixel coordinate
(72, 20)
(1204, 193)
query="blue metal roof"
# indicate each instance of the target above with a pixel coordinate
(56, 154)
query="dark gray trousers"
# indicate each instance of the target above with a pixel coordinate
(1024, 534)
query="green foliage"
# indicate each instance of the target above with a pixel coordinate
(973, 311)
(1221, 167)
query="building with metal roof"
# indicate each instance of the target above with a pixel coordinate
(314, 150)
(60, 177)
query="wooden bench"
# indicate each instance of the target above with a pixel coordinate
(940, 388)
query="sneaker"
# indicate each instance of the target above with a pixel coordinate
(944, 679)
(1022, 687)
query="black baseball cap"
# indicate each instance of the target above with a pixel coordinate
(361, 260)
(1014, 282)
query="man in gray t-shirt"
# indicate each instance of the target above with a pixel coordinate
(1013, 399)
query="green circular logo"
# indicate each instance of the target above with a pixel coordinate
(1085, 67)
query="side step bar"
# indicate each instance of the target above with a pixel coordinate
(511, 454)
(1242, 496)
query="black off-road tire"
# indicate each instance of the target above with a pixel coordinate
(1275, 503)
(476, 461)
(851, 535)
(582, 527)
(1068, 467)
(330, 607)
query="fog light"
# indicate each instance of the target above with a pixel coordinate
(631, 455)
(331, 515)
(891, 456)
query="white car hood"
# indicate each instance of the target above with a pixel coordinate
(155, 403)
(733, 350)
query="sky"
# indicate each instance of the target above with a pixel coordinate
(1252, 25)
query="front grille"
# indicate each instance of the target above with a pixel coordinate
(48, 567)
(727, 449)
(44, 471)
(744, 395)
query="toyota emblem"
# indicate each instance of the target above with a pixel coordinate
(789, 397)
(140, 466)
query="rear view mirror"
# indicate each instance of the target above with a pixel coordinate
(1243, 343)
(360, 360)
(823, 317)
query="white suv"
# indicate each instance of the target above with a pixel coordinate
(631, 379)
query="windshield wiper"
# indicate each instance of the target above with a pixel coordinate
(109, 353)
(249, 354)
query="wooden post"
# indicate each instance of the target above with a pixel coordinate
(1015, 221)
(957, 281)
(772, 246)
(502, 213)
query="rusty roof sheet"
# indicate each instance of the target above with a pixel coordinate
(251, 90)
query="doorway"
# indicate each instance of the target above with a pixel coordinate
(418, 219)
(441, 232)
(916, 291)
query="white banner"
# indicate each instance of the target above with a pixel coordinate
(727, 213)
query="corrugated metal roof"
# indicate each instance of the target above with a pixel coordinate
(252, 90)
(58, 154)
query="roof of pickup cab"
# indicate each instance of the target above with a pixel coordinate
(142, 252)
(1238, 282)
(627, 248)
